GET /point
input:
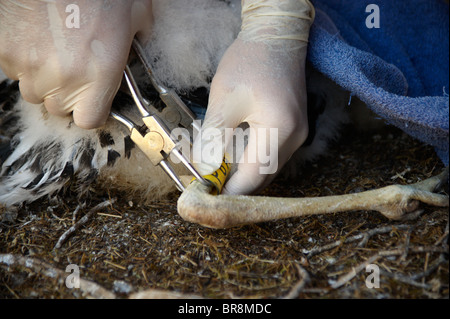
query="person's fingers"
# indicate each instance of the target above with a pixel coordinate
(268, 150)
(258, 164)
(91, 107)
(246, 180)
(209, 147)
(142, 20)
(28, 91)
(10, 74)
(92, 102)
(7, 59)
(221, 118)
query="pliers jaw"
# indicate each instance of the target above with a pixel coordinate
(157, 142)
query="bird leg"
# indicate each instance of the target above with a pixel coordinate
(395, 202)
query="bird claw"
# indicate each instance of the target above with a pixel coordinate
(403, 200)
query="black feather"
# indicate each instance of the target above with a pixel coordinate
(112, 157)
(105, 139)
(87, 156)
(67, 171)
(129, 145)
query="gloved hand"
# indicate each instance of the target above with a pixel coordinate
(260, 80)
(70, 69)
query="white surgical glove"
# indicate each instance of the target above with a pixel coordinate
(70, 66)
(261, 81)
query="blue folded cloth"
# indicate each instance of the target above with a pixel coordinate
(400, 70)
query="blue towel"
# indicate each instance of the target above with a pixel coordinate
(400, 70)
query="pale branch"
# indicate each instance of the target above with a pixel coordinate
(87, 287)
(411, 280)
(364, 237)
(81, 222)
(354, 272)
(298, 287)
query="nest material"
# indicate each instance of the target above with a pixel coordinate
(126, 248)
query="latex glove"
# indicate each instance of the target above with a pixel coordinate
(261, 81)
(74, 69)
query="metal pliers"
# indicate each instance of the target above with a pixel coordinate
(157, 142)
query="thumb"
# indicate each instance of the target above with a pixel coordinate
(217, 130)
(93, 107)
(209, 145)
